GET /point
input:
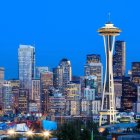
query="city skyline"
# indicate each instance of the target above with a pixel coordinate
(58, 34)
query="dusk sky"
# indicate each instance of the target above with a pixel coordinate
(65, 28)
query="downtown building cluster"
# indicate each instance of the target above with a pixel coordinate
(58, 93)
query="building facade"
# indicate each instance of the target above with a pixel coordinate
(65, 65)
(46, 82)
(136, 73)
(119, 59)
(129, 94)
(26, 62)
(36, 96)
(58, 77)
(7, 98)
(95, 69)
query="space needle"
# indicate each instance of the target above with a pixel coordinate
(108, 108)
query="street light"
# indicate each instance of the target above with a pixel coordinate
(101, 130)
(29, 133)
(46, 134)
(11, 132)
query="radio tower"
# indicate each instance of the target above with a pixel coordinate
(108, 108)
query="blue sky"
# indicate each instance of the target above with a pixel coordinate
(64, 28)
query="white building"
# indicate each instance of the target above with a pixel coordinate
(86, 107)
(89, 94)
(96, 106)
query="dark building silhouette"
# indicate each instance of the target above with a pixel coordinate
(136, 73)
(119, 59)
(129, 94)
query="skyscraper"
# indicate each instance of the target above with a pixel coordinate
(129, 94)
(1, 85)
(46, 81)
(7, 98)
(65, 65)
(1, 73)
(36, 93)
(94, 67)
(26, 61)
(119, 59)
(136, 73)
(57, 77)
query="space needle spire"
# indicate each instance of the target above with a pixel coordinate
(108, 107)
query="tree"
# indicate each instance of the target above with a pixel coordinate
(79, 130)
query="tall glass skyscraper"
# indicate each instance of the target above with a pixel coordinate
(26, 61)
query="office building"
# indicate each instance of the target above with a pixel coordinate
(65, 65)
(136, 73)
(39, 70)
(129, 94)
(23, 101)
(72, 91)
(36, 96)
(96, 106)
(26, 62)
(7, 98)
(93, 58)
(46, 82)
(1, 84)
(86, 107)
(58, 78)
(73, 107)
(118, 91)
(95, 68)
(57, 104)
(15, 91)
(119, 59)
